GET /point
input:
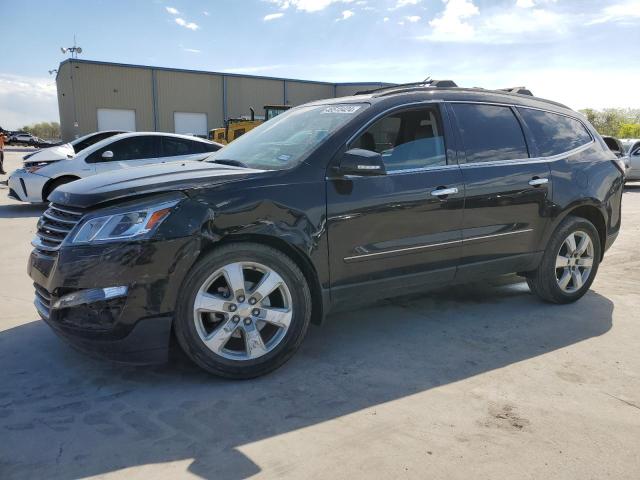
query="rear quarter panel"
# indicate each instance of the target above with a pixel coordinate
(587, 178)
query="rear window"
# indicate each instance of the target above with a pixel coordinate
(489, 132)
(553, 133)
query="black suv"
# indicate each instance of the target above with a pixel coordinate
(336, 201)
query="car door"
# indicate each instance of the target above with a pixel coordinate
(507, 192)
(634, 162)
(132, 151)
(396, 232)
(174, 149)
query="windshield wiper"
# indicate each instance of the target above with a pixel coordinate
(233, 163)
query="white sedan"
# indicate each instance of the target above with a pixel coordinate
(52, 167)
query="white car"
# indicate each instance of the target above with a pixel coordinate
(65, 150)
(52, 167)
(631, 158)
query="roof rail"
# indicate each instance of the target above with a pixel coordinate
(518, 90)
(424, 83)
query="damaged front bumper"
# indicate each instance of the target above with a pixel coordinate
(115, 301)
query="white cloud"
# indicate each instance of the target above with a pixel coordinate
(172, 10)
(27, 100)
(205, 13)
(404, 3)
(462, 21)
(628, 11)
(272, 16)
(413, 18)
(191, 50)
(346, 14)
(190, 25)
(450, 25)
(307, 5)
(524, 3)
(385, 19)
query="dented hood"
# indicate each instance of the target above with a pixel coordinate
(52, 154)
(130, 182)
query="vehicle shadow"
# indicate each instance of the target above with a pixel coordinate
(63, 415)
(21, 210)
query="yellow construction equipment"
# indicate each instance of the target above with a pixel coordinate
(236, 127)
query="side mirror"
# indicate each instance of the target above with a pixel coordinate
(636, 153)
(358, 161)
(107, 155)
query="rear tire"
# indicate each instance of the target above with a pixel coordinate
(569, 264)
(228, 327)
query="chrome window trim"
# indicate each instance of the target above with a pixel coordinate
(524, 161)
(423, 169)
(364, 256)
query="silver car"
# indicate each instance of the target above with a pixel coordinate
(632, 157)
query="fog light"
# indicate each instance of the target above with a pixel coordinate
(89, 296)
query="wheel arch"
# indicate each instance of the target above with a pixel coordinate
(46, 189)
(589, 212)
(294, 253)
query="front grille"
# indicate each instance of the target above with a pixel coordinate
(42, 301)
(54, 226)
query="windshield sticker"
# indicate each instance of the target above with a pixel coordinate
(284, 157)
(348, 109)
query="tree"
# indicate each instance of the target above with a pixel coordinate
(615, 122)
(46, 130)
(629, 130)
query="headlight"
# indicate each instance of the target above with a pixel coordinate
(35, 166)
(130, 225)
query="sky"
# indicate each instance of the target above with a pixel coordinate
(582, 53)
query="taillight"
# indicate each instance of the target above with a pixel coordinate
(620, 163)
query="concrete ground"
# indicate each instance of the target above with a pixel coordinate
(480, 381)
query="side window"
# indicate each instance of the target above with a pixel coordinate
(98, 137)
(132, 148)
(552, 133)
(172, 147)
(211, 147)
(406, 140)
(489, 132)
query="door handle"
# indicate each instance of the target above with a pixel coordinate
(441, 192)
(536, 182)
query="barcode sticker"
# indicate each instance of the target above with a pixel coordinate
(342, 109)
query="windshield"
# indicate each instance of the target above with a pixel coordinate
(287, 139)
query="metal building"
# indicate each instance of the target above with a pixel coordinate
(102, 96)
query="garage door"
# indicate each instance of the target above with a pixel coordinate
(115, 119)
(190, 123)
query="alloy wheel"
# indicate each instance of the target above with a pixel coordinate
(574, 261)
(243, 310)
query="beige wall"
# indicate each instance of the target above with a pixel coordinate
(110, 86)
(188, 92)
(84, 87)
(65, 101)
(243, 92)
(302, 92)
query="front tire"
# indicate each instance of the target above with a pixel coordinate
(569, 264)
(243, 311)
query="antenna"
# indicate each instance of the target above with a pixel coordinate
(75, 50)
